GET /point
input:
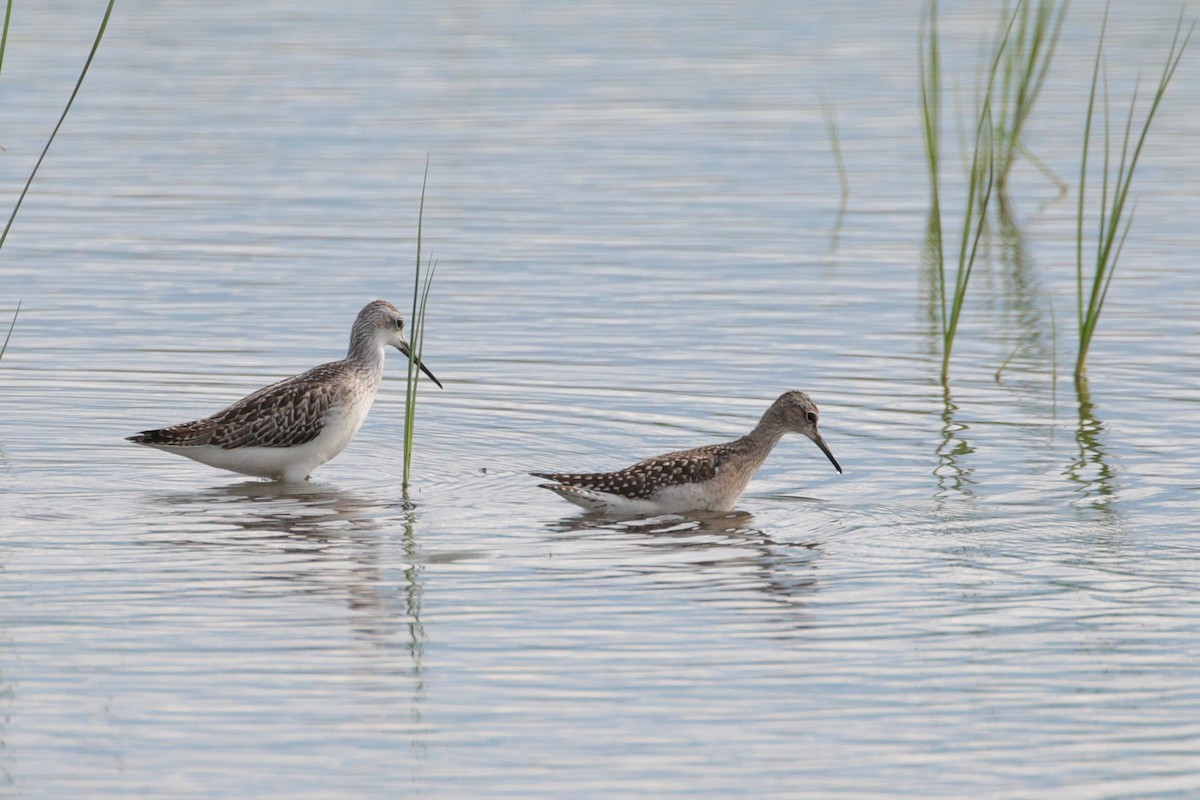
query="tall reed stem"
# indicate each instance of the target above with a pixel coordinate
(420, 299)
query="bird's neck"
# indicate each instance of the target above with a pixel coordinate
(366, 352)
(753, 448)
(766, 434)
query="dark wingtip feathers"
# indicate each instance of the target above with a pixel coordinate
(563, 484)
(157, 436)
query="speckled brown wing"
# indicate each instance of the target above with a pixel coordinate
(644, 478)
(284, 414)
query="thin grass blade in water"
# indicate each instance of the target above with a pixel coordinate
(1113, 222)
(981, 178)
(1025, 49)
(835, 142)
(4, 35)
(11, 325)
(61, 119)
(420, 300)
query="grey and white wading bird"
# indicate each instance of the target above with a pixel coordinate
(285, 430)
(709, 478)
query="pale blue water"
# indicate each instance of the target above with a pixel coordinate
(635, 213)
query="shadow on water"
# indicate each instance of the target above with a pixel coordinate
(717, 522)
(952, 473)
(318, 540)
(314, 512)
(1090, 471)
(413, 590)
(323, 541)
(709, 551)
(1022, 299)
(829, 112)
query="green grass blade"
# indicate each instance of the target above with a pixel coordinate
(1116, 255)
(79, 83)
(981, 184)
(931, 87)
(981, 187)
(4, 35)
(1026, 50)
(11, 325)
(410, 387)
(1083, 171)
(1114, 224)
(1105, 214)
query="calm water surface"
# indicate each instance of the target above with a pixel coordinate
(635, 212)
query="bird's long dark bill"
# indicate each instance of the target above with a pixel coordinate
(825, 449)
(432, 377)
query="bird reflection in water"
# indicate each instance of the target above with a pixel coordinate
(721, 552)
(312, 540)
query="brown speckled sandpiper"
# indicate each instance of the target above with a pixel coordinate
(709, 478)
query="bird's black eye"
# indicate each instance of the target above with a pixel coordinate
(399, 324)
(812, 417)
